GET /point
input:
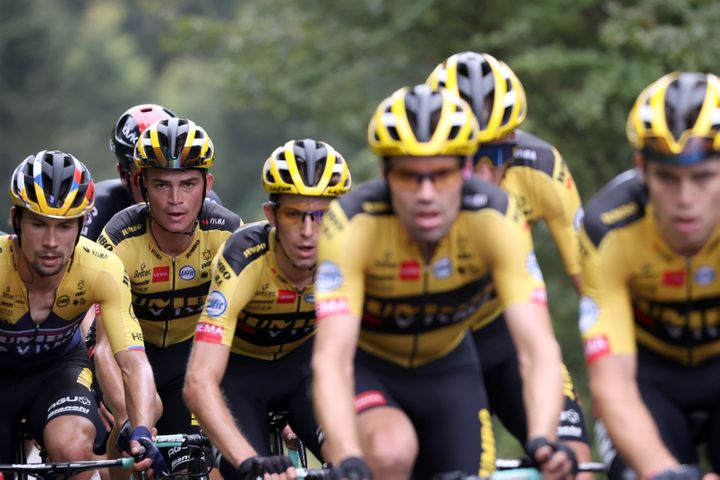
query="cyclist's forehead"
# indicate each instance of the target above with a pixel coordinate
(303, 202)
(423, 164)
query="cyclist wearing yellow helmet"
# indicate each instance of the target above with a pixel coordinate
(407, 262)
(533, 172)
(254, 338)
(650, 243)
(166, 245)
(50, 277)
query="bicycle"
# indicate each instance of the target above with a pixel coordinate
(278, 421)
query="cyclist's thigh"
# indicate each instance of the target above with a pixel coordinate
(66, 391)
(169, 365)
(671, 421)
(295, 370)
(13, 402)
(572, 425)
(243, 385)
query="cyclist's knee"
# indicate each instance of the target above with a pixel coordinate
(69, 438)
(391, 452)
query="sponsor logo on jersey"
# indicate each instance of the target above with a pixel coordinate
(254, 249)
(309, 297)
(409, 270)
(620, 213)
(443, 268)
(674, 278)
(213, 221)
(331, 306)
(589, 312)
(142, 272)
(286, 296)
(160, 274)
(596, 347)
(187, 272)
(207, 332)
(216, 304)
(476, 200)
(578, 218)
(85, 378)
(62, 301)
(329, 277)
(705, 275)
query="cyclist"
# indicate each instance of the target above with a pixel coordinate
(533, 172)
(254, 337)
(167, 245)
(406, 263)
(51, 277)
(119, 193)
(650, 253)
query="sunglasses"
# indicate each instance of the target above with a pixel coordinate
(497, 154)
(294, 216)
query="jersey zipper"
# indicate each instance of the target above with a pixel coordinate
(171, 305)
(688, 296)
(416, 336)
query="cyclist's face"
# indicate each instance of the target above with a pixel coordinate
(47, 243)
(298, 219)
(685, 201)
(425, 194)
(491, 161)
(175, 196)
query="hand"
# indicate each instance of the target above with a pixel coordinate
(681, 472)
(257, 466)
(143, 449)
(554, 459)
(351, 468)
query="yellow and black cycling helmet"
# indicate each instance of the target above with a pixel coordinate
(174, 143)
(490, 87)
(676, 119)
(53, 184)
(423, 121)
(306, 167)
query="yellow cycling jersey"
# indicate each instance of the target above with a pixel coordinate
(637, 291)
(168, 293)
(415, 312)
(93, 275)
(540, 181)
(252, 307)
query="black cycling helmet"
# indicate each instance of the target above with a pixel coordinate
(129, 127)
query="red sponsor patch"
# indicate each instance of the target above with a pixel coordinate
(409, 270)
(160, 274)
(369, 399)
(331, 306)
(286, 296)
(539, 296)
(674, 278)
(207, 332)
(596, 347)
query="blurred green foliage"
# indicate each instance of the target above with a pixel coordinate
(259, 72)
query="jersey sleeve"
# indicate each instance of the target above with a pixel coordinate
(507, 244)
(562, 212)
(112, 288)
(340, 286)
(229, 292)
(606, 318)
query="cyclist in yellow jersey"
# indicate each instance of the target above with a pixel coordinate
(51, 276)
(533, 172)
(650, 249)
(406, 264)
(167, 245)
(254, 338)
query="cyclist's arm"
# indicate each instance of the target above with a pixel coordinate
(203, 396)
(539, 358)
(109, 375)
(139, 383)
(333, 386)
(617, 400)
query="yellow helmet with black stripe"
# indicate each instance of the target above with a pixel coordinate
(53, 184)
(174, 143)
(490, 87)
(306, 167)
(676, 119)
(423, 121)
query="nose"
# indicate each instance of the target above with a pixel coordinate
(686, 193)
(50, 237)
(175, 197)
(426, 189)
(307, 226)
(484, 171)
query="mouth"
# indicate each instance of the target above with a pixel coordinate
(305, 252)
(428, 219)
(685, 224)
(49, 260)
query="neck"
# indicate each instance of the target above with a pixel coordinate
(300, 277)
(170, 243)
(427, 250)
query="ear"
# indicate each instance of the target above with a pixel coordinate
(640, 161)
(269, 214)
(209, 182)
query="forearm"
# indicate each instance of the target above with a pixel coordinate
(541, 374)
(110, 379)
(334, 406)
(204, 398)
(632, 428)
(139, 383)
